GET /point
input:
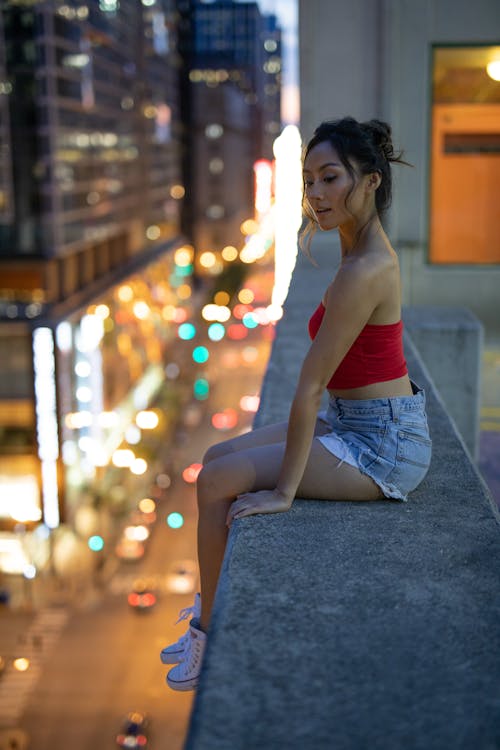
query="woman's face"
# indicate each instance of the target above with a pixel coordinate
(327, 185)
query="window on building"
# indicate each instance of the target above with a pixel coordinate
(465, 155)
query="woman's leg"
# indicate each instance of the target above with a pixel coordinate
(267, 435)
(257, 468)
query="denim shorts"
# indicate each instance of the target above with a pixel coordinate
(385, 438)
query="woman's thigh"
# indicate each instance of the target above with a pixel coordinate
(267, 435)
(258, 468)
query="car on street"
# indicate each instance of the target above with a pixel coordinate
(143, 596)
(134, 731)
(129, 549)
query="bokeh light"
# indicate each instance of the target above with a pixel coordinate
(249, 354)
(249, 226)
(136, 533)
(177, 192)
(249, 403)
(102, 311)
(175, 520)
(184, 256)
(190, 473)
(133, 434)
(123, 457)
(172, 370)
(219, 313)
(186, 331)
(95, 543)
(125, 293)
(240, 310)
(225, 420)
(246, 296)
(216, 332)
(163, 481)
(147, 505)
(207, 259)
(201, 389)
(237, 332)
(29, 571)
(139, 466)
(141, 310)
(184, 291)
(230, 253)
(147, 420)
(200, 354)
(221, 298)
(250, 320)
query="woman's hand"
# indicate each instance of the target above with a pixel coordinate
(264, 501)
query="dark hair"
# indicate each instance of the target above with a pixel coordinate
(369, 144)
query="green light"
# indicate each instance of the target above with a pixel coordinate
(216, 332)
(96, 543)
(250, 321)
(200, 354)
(186, 331)
(201, 389)
(175, 520)
(184, 270)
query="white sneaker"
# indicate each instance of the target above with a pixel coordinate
(186, 675)
(174, 653)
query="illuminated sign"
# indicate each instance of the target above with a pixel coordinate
(46, 421)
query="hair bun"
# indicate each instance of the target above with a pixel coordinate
(381, 134)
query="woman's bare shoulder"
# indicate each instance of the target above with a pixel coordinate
(370, 273)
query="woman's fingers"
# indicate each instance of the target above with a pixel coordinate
(237, 510)
(250, 503)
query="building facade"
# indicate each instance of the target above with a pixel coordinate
(431, 70)
(233, 55)
(91, 189)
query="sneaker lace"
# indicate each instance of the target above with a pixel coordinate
(192, 655)
(185, 613)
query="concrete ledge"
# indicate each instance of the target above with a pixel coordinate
(352, 626)
(450, 342)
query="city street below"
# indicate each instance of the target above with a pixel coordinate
(91, 661)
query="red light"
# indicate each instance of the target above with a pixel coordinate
(237, 332)
(190, 474)
(133, 599)
(225, 420)
(142, 740)
(148, 600)
(240, 310)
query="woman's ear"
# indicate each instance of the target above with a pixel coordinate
(374, 180)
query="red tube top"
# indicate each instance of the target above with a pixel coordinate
(376, 355)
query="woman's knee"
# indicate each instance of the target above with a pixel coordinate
(208, 483)
(217, 451)
(225, 477)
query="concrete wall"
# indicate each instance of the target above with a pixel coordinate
(356, 625)
(450, 342)
(372, 58)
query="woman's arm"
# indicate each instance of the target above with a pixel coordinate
(351, 299)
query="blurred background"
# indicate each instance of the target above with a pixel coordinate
(150, 188)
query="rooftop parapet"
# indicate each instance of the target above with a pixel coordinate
(356, 626)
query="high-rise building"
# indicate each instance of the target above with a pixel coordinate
(91, 189)
(233, 55)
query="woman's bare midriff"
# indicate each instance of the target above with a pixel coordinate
(388, 389)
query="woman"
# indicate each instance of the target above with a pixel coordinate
(372, 442)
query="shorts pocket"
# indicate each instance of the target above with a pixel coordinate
(414, 448)
(413, 457)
